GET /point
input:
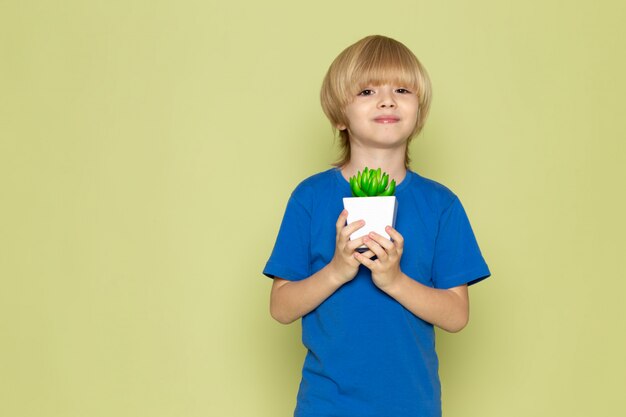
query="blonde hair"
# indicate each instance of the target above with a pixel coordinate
(372, 61)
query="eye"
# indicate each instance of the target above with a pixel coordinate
(403, 91)
(366, 92)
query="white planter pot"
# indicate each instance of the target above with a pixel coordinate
(378, 213)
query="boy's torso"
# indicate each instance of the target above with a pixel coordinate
(364, 348)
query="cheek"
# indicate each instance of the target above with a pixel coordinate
(351, 119)
(344, 121)
(414, 113)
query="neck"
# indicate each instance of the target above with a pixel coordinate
(390, 161)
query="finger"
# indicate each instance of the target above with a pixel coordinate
(382, 241)
(364, 260)
(351, 228)
(396, 237)
(352, 245)
(341, 220)
(375, 247)
(368, 254)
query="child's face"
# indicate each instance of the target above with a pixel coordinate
(382, 116)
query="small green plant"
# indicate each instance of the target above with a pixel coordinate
(372, 183)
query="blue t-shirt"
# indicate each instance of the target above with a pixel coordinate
(367, 355)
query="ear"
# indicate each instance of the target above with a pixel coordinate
(341, 126)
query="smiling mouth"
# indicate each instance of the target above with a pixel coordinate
(386, 120)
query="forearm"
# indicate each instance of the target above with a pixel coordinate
(446, 309)
(291, 300)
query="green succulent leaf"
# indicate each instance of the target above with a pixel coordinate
(356, 190)
(371, 183)
(373, 190)
(389, 191)
(366, 185)
(383, 183)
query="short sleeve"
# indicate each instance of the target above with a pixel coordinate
(457, 259)
(290, 257)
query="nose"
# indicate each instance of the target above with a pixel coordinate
(386, 99)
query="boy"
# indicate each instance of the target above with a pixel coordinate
(367, 318)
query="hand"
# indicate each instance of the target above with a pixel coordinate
(385, 269)
(345, 265)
